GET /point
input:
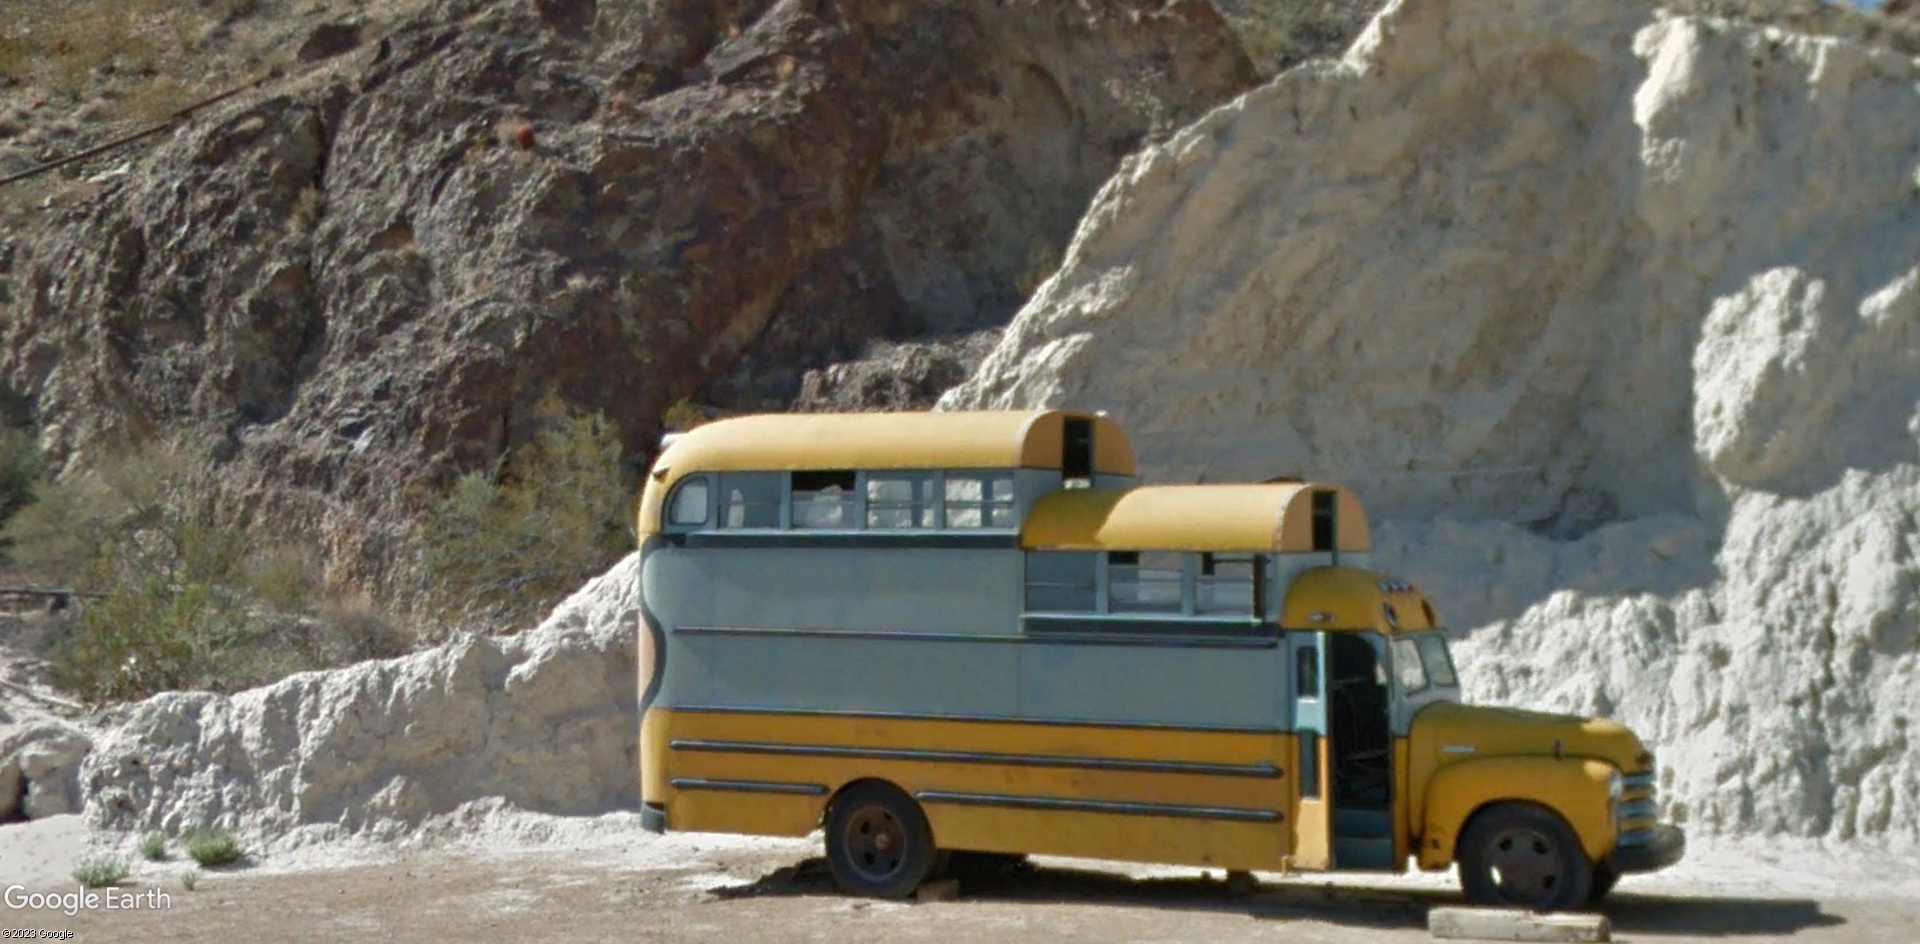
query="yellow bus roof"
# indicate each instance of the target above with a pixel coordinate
(959, 440)
(1272, 518)
(779, 442)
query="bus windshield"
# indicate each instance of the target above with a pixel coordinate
(1421, 661)
(1436, 659)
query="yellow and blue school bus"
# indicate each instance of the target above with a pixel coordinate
(977, 632)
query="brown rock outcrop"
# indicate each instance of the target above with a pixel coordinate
(374, 276)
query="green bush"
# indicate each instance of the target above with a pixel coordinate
(503, 544)
(215, 849)
(21, 467)
(100, 872)
(188, 596)
(153, 847)
(1277, 34)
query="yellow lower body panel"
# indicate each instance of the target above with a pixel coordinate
(1128, 838)
(1200, 798)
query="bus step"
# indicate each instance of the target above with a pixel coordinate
(1363, 853)
(1362, 824)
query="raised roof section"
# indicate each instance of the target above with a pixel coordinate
(780, 442)
(995, 439)
(1274, 518)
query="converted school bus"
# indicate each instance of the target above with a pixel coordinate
(977, 632)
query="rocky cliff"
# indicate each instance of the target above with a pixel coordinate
(1615, 317)
(372, 273)
(1612, 313)
(543, 721)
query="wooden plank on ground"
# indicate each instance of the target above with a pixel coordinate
(1500, 924)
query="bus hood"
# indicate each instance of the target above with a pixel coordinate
(1447, 732)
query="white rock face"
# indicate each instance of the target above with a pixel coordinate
(40, 768)
(545, 721)
(1615, 319)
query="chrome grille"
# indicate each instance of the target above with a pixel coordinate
(1637, 807)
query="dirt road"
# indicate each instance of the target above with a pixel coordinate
(683, 889)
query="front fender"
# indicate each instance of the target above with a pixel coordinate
(1576, 788)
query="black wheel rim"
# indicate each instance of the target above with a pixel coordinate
(876, 844)
(1527, 869)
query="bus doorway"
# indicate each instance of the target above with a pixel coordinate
(1360, 752)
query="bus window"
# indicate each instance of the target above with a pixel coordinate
(1143, 582)
(689, 505)
(1224, 585)
(980, 500)
(1408, 673)
(1061, 582)
(1076, 453)
(824, 499)
(1433, 653)
(901, 500)
(750, 500)
(1306, 666)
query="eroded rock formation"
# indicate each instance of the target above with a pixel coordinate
(1615, 318)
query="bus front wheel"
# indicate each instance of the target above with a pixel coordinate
(878, 841)
(1517, 854)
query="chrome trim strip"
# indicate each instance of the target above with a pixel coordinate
(1234, 814)
(1165, 641)
(888, 540)
(1642, 781)
(748, 786)
(843, 634)
(1267, 771)
(1635, 809)
(1136, 625)
(983, 719)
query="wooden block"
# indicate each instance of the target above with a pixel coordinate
(1497, 924)
(1241, 883)
(946, 889)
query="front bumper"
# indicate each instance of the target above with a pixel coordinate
(1650, 849)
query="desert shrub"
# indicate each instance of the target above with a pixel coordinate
(100, 872)
(1277, 34)
(683, 415)
(186, 596)
(21, 467)
(153, 847)
(214, 849)
(503, 543)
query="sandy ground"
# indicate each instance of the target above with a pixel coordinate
(512, 878)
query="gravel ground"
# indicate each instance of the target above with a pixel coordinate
(604, 880)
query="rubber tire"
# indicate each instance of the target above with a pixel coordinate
(1604, 878)
(1476, 848)
(916, 862)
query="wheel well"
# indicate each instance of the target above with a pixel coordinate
(826, 809)
(1466, 825)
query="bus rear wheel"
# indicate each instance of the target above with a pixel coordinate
(878, 841)
(1521, 855)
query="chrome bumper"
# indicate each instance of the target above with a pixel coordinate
(1645, 850)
